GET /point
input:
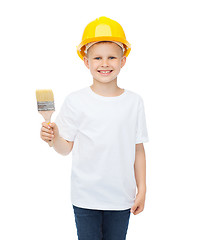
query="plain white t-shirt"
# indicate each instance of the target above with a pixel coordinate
(105, 131)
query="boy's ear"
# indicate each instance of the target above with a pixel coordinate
(123, 61)
(86, 61)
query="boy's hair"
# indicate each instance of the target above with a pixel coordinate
(122, 51)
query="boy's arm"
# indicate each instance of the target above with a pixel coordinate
(50, 134)
(62, 146)
(140, 176)
(140, 168)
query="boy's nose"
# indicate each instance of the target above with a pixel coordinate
(104, 63)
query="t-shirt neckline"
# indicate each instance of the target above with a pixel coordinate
(104, 97)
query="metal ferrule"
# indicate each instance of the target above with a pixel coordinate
(45, 106)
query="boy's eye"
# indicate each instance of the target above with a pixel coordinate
(97, 58)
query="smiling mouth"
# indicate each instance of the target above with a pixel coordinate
(103, 72)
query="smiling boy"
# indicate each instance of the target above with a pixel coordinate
(105, 126)
(105, 60)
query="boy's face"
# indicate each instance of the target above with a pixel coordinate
(104, 59)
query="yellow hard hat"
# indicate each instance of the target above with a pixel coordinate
(103, 29)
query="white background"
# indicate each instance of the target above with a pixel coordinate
(38, 50)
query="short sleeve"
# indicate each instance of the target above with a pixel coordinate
(141, 132)
(66, 120)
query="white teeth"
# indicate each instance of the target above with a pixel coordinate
(104, 71)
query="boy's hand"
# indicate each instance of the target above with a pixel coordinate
(138, 204)
(49, 132)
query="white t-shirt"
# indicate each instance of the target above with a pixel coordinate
(105, 131)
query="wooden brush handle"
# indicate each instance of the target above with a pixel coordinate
(47, 116)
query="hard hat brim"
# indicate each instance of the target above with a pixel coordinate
(80, 49)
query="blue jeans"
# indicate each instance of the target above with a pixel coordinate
(101, 224)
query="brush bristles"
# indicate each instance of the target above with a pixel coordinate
(44, 95)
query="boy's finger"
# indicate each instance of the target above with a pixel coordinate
(52, 124)
(134, 207)
(138, 210)
(47, 130)
(44, 124)
(49, 135)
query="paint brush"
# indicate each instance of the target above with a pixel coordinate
(45, 103)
